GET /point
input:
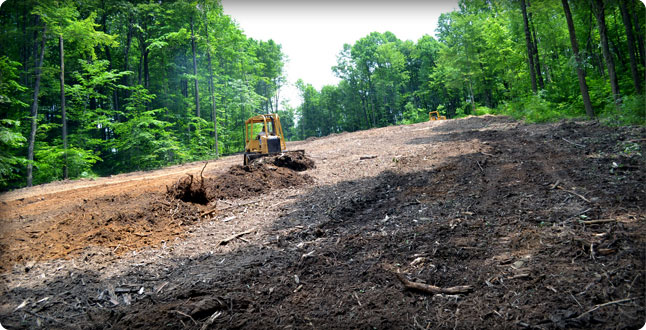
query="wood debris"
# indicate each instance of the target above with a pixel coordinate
(432, 288)
(232, 237)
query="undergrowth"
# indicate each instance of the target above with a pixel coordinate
(538, 109)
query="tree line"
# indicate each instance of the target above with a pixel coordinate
(99, 87)
(538, 60)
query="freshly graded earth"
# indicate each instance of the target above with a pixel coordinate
(544, 224)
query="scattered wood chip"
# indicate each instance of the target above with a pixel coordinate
(44, 299)
(357, 297)
(307, 255)
(126, 298)
(160, 287)
(521, 275)
(113, 296)
(417, 261)
(22, 304)
(605, 252)
(209, 212)
(227, 219)
(123, 290)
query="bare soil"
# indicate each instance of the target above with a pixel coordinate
(544, 222)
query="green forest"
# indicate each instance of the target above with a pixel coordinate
(99, 87)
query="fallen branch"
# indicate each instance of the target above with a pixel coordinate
(606, 304)
(432, 288)
(592, 222)
(572, 143)
(573, 193)
(185, 315)
(232, 237)
(367, 157)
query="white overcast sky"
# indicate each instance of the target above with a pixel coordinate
(312, 32)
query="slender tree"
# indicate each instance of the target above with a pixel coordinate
(197, 90)
(599, 13)
(528, 40)
(638, 31)
(63, 113)
(631, 44)
(211, 87)
(537, 60)
(583, 86)
(34, 110)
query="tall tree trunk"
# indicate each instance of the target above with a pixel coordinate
(146, 70)
(63, 113)
(143, 61)
(638, 32)
(139, 68)
(472, 97)
(537, 60)
(211, 89)
(598, 8)
(24, 49)
(583, 86)
(34, 112)
(126, 57)
(34, 50)
(197, 91)
(631, 44)
(528, 41)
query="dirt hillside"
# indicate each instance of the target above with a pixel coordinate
(482, 222)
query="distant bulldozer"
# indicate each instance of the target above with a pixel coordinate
(435, 115)
(264, 137)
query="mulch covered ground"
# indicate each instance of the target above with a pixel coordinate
(542, 225)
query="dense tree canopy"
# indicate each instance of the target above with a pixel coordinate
(100, 87)
(136, 75)
(500, 56)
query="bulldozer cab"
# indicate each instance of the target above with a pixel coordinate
(263, 136)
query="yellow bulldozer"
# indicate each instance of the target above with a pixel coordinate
(435, 115)
(263, 137)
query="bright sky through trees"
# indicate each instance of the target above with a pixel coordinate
(312, 32)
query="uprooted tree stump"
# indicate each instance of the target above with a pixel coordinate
(187, 190)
